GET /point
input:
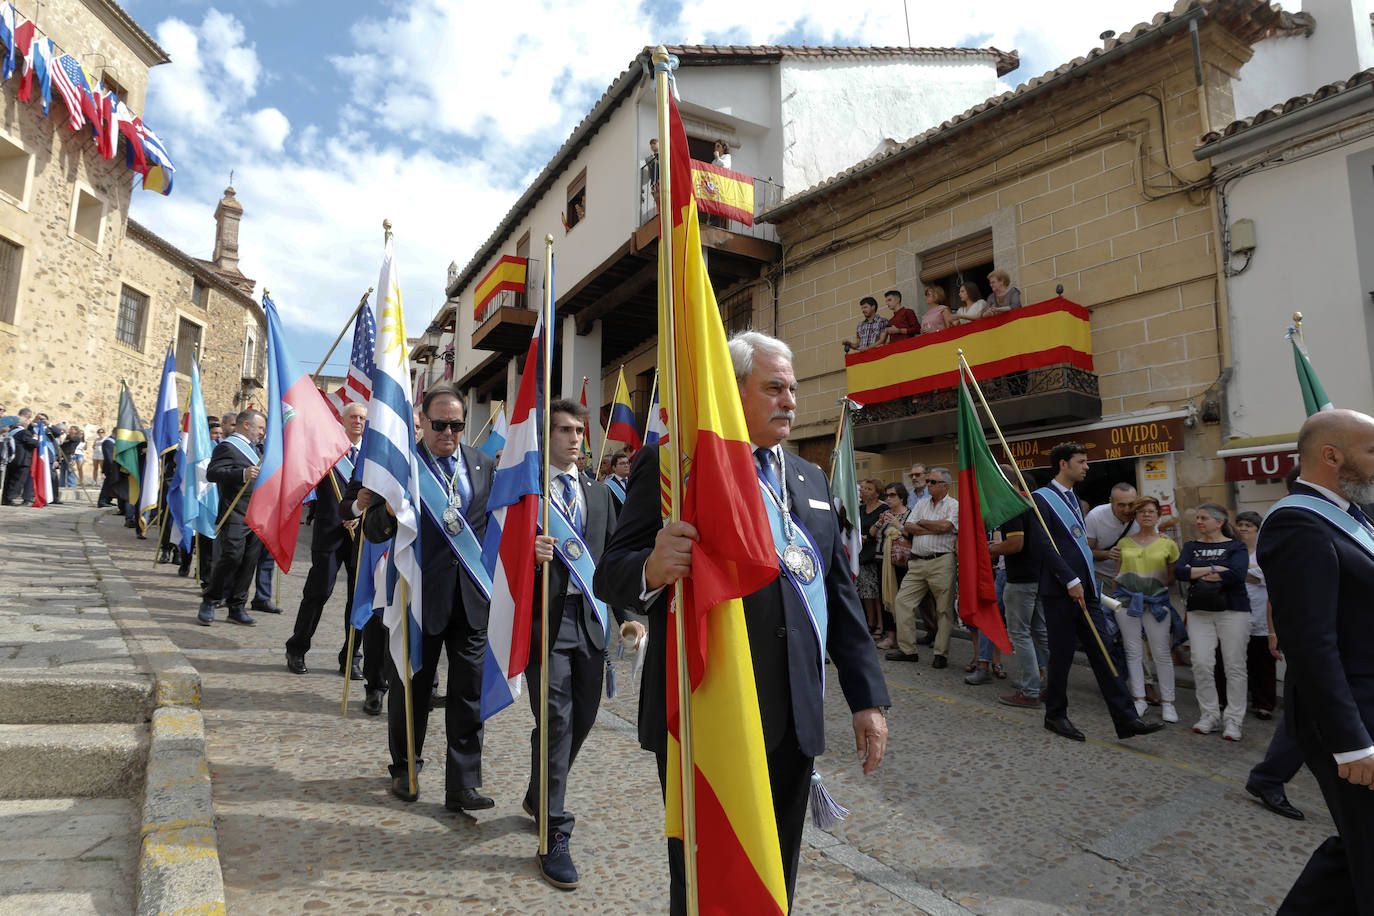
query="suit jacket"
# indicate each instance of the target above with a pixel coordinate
(327, 532)
(227, 465)
(444, 580)
(1059, 557)
(787, 665)
(1319, 584)
(599, 525)
(25, 441)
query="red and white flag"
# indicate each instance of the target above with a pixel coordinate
(41, 468)
(357, 386)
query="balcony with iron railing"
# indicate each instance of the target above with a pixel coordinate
(1034, 365)
(504, 324)
(766, 194)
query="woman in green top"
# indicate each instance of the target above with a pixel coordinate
(1143, 576)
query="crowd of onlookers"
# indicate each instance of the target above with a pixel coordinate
(19, 441)
(1199, 602)
(875, 330)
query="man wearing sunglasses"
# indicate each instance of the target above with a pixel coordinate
(454, 609)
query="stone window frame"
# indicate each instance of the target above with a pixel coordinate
(79, 188)
(250, 347)
(1001, 223)
(24, 201)
(18, 240)
(176, 329)
(141, 322)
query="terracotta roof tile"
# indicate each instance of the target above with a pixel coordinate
(1240, 125)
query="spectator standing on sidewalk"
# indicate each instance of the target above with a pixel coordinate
(870, 564)
(1025, 614)
(933, 528)
(1262, 651)
(894, 567)
(1143, 574)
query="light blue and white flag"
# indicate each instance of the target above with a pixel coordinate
(496, 439)
(199, 497)
(391, 464)
(162, 438)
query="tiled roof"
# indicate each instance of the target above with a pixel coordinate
(1247, 20)
(1241, 125)
(206, 270)
(699, 55)
(1007, 61)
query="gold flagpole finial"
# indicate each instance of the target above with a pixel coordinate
(548, 239)
(386, 229)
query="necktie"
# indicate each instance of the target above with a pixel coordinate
(1072, 501)
(353, 454)
(765, 462)
(570, 501)
(449, 465)
(1358, 515)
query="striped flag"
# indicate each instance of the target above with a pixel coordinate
(622, 428)
(739, 865)
(40, 470)
(656, 426)
(391, 464)
(199, 497)
(357, 386)
(496, 437)
(508, 550)
(586, 455)
(165, 438)
(64, 71)
(128, 433)
(844, 484)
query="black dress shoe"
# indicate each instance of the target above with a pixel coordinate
(373, 704)
(296, 663)
(1276, 801)
(926, 640)
(1138, 727)
(467, 800)
(355, 671)
(266, 607)
(1064, 728)
(939, 662)
(400, 787)
(897, 655)
(438, 700)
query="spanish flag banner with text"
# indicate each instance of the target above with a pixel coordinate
(739, 866)
(1034, 336)
(721, 192)
(507, 274)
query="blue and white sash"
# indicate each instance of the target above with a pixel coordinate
(434, 499)
(1332, 513)
(245, 448)
(1074, 526)
(617, 487)
(575, 554)
(812, 593)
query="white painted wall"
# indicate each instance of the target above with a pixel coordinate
(1313, 221)
(1285, 66)
(1276, 73)
(835, 111)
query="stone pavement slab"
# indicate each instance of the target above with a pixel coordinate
(976, 809)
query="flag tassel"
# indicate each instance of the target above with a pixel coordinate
(825, 811)
(1025, 488)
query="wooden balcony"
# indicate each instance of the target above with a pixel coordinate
(505, 324)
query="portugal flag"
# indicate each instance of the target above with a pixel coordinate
(739, 866)
(985, 497)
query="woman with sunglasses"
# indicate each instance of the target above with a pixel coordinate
(894, 494)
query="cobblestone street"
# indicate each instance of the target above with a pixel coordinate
(975, 809)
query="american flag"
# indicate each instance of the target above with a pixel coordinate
(66, 76)
(357, 387)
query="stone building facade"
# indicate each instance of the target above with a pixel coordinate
(87, 296)
(1081, 180)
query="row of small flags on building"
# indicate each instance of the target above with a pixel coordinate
(38, 61)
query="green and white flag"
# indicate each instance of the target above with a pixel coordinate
(1314, 396)
(844, 483)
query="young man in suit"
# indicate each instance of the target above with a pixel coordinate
(644, 556)
(1317, 551)
(234, 467)
(1068, 591)
(454, 607)
(579, 624)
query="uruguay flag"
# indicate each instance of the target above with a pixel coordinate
(303, 442)
(508, 551)
(199, 497)
(164, 438)
(391, 465)
(496, 439)
(41, 468)
(655, 427)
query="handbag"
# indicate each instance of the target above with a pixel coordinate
(899, 551)
(1206, 596)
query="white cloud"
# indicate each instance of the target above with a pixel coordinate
(269, 128)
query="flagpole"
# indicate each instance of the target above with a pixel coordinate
(601, 454)
(666, 335)
(546, 380)
(839, 436)
(236, 500)
(1025, 488)
(347, 324)
(490, 419)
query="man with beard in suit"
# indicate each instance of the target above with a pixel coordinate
(455, 604)
(1316, 548)
(644, 556)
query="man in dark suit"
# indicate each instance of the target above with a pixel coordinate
(334, 543)
(644, 556)
(619, 478)
(110, 478)
(1068, 589)
(577, 653)
(454, 610)
(234, 466)
(18, 484)
(1317, 551)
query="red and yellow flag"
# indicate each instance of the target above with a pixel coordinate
(722, 192)
(506, 274)
(739, 866)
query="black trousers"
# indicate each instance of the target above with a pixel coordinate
(319, 585)
(575, 674)
(16, 479)
(108, 483)
(1339, 878)
(1282, 759)
(235, 561)
(466, 648)
(789, 772)
(1065, 626)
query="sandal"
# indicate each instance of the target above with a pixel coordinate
(971, 666)
(999, 672)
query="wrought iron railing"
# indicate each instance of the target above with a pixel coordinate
(506, 299)
(1027, 383)
(766, 194)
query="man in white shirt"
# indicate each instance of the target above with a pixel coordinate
(932, 524)
(1106, 524)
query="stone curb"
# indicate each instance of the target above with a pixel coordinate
(178, 868)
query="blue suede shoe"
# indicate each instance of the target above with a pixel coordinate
(557, 867)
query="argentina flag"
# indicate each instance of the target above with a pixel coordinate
(391, 465)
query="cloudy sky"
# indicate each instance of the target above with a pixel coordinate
(436, 114)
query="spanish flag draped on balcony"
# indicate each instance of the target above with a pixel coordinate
(739, 866)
